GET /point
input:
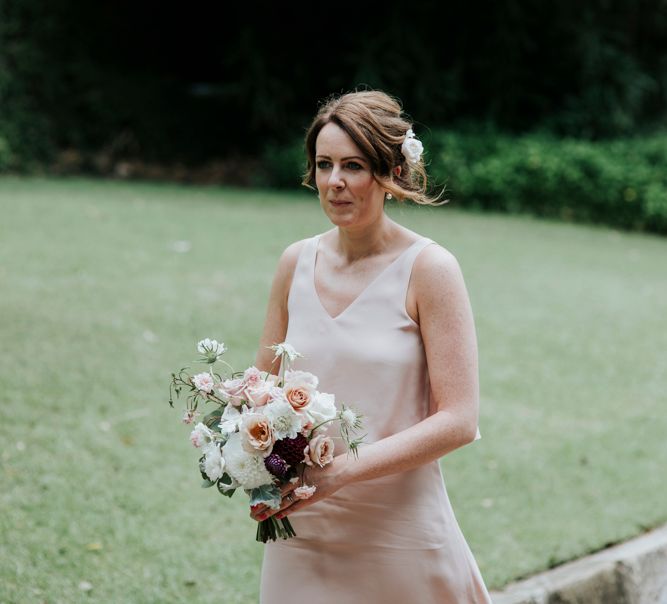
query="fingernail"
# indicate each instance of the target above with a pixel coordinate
(263, 516)
(279, 516)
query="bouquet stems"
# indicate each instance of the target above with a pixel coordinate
(271, 528)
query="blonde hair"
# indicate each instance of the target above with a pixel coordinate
(374, 121)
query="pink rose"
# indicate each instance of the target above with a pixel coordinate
(304, 492)
(189, 416)
(258, 395)
(252, 376)
(319, 451)
(201, 435)
(233, 391)
(203, 382)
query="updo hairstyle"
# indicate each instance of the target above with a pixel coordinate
(374, 121)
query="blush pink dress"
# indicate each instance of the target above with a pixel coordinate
(388, 540)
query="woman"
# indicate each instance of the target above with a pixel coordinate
(382, 317)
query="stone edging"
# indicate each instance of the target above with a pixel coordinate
(633, 572)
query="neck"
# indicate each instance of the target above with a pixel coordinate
(370, 240)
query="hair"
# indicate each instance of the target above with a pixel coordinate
(375, 121)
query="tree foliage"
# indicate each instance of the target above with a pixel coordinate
(214, 80)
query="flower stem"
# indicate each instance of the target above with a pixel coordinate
(271, 528)
(326, 421)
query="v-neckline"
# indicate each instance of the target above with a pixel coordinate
(364, 290)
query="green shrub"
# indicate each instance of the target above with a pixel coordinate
(622, 183)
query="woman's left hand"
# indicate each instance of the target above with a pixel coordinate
(326, 480)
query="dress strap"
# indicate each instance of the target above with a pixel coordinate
(406, 262)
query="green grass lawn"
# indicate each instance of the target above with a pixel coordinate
(100, 301)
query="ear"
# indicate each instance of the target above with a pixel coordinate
(397, 170)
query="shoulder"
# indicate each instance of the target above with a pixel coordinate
(436, 280)
(286, 265)
(435, 261)
(290, 256)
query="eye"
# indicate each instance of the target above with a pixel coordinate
(355, 166)
(322, 164)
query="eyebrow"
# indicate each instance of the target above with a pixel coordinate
(344, 158)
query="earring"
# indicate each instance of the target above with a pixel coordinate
(388, 196)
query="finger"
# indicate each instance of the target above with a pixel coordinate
(263, 511)
(257, 510)
(297, 505)
(288, 488)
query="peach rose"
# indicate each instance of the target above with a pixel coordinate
(319, 451)
(257, 433)
(299, 389)
(298, 396)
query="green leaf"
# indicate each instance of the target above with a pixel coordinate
(268, 494)
(223, 485)
(212, 419)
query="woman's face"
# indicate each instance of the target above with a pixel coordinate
(349, 195)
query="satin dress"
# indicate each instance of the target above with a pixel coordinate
(393, 539)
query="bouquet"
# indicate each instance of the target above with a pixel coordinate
(265, 429)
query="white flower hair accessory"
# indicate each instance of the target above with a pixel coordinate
(412, 147)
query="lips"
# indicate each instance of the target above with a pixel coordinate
(340, 202)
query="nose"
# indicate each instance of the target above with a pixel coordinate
(335, 180)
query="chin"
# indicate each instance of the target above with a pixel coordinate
(342, 221)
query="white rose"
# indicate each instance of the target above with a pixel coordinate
(230, 420)
(303, 377)
(412, 147)
(214, 463)
(322, 407)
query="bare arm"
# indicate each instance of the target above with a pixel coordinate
(275, 324)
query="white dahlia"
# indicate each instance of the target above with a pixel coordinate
(246, 468)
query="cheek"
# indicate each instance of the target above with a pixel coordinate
(320, 183)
